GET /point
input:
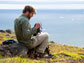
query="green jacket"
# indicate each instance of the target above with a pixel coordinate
(24, 32)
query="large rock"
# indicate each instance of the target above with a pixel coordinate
(2, 31)
(9, 31)
(13, 49)
(21, 49)
(52, 42)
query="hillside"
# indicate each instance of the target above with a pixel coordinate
(62, 53)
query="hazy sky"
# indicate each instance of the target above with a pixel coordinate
(42, 4)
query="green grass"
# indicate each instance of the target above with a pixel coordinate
(20, 60)
(62, 53)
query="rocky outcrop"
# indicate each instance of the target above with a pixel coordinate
(8, 31)
(52, 42)
(13, 49)
(2, 31)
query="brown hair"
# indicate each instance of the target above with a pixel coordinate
(29, 8)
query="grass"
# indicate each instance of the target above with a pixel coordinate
(20, 60)
(62, 53)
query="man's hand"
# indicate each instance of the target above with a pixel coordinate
(37, 25)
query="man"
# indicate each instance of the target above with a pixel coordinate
(25, 34)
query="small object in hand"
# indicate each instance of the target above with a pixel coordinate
(38, 31)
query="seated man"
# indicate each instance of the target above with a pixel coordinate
(25, 34)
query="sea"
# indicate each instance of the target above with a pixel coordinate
(64, 26)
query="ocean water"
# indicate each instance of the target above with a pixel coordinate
(64, 26)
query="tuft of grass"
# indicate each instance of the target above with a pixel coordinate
(73, 56)
(20, 60)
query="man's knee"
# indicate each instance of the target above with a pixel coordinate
(43, 36)
(46, 35)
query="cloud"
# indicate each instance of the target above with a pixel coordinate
(40, 6)
(43, 0)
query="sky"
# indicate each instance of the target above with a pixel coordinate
(42, 4)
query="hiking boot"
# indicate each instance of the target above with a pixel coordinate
(39, 55)
(50, 55)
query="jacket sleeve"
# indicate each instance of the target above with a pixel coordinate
(27, 30)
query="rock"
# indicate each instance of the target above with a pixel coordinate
(9, 31)
(52, 42)
(20, 49)
(13, 50)
(2, 31)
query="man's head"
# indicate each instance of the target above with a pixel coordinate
(29, 11)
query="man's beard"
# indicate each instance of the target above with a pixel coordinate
(29, 16)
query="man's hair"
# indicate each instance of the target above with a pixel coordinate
(29, 8)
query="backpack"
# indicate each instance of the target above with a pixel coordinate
(7, 42)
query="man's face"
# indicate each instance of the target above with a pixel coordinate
(30, 15)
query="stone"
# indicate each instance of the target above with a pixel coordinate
(9, 31)
(14, 49)
(52, 42)
(2, 31)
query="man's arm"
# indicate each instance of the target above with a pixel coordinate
(27, 30)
